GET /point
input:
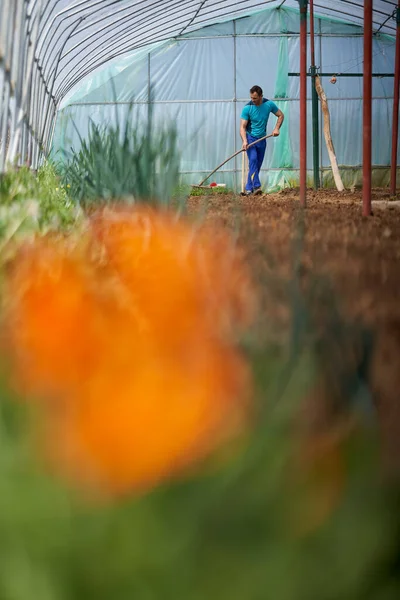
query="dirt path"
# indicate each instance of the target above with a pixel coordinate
(360, 256)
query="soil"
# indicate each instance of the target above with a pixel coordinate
(359, 256)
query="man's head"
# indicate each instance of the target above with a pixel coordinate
(256, 94)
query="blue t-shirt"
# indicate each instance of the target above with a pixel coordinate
(257, 117)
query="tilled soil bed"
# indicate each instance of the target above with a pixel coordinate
(359, 255)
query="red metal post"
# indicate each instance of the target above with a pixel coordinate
(303, 102)
(395, 123)
(367, 108)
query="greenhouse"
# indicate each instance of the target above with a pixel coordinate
(201, 80)
(199, 300)
(72, 62)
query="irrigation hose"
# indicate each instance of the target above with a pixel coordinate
(233, 156)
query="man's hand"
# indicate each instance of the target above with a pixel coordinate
(275, 132)
(245, 145)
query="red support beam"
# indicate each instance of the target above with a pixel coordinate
(303, 102)
(367, 108)
(395, 122)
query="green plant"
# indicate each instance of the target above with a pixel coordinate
(212, 191)
(294, 183)
(56, 204)
(33, 203)
(131, 161)
(243, 527)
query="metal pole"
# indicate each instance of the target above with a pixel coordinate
(4, 127)
(51, 134)
(24, 81)
(15, 76)
(303, 102)
(395, 123)
(379, 75)
(6, 45)
(50, 100)
(367, 108)
(314, 99)
(34, 104)
(4, 42)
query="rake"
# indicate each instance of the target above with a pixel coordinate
(201, 184)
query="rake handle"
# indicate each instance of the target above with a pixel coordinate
(233, 156)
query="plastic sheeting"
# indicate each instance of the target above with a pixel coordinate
(99, 29)
(201, 80)
(85, 34)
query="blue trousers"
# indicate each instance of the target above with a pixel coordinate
(256, 156)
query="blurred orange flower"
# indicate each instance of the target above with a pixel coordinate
(130, 332)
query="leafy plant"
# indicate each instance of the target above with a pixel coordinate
(133, 161)
(33, 203)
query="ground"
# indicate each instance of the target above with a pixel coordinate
(359, 255)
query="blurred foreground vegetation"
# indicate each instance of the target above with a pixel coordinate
(295, 508)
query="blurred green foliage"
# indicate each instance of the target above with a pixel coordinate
(241, 527)
(33, 203)
(215, 191)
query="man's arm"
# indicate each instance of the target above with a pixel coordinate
(279, 122)
(243, 125)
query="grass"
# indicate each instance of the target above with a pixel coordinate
(212, 191)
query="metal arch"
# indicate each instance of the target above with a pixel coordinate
(107, 28)
(103, 56)
(202, 3)
(171, 32)
(96, 33)
(129, 36)
(70, 14)
(207, 21)
(69, 10)
(44, 50)
(230, 13)
(47, 122)
(336, 10)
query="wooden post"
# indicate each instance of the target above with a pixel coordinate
(327, 135)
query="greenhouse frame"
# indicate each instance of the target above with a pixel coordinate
(66, 62)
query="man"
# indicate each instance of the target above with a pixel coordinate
(253, 126)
